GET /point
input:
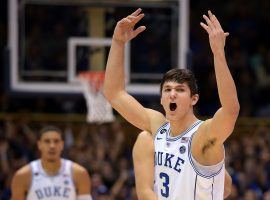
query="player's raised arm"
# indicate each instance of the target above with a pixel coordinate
(114, 86)
(222, 124)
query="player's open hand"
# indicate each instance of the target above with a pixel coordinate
(124, 30)
(217, 36)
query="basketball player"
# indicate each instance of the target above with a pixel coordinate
(51, 177)
(189, 153)
(143, 159)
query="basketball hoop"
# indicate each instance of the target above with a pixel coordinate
(98, 108)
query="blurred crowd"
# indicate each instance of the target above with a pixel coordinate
(106, 152)
(248, 162)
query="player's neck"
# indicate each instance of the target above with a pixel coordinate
(51, 167)
(178, 127)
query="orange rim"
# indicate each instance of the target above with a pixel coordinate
(95, 78)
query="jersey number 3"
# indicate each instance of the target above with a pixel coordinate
(166, 180)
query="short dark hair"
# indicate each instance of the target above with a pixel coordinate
(48, 129)
(181, 76)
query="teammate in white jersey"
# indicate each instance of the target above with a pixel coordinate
(51, 177)
(202, 149)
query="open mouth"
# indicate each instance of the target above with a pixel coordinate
(173, 106)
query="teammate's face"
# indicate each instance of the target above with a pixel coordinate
(176, 100)
(51, 146)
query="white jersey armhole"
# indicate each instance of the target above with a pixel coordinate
(34, 169)
(206, 171)
(69, 169)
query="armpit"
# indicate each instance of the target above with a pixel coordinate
(209, 143)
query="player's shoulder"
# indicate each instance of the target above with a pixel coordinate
(157, 119)
(144, 143)
(156, 114)
(204, 125)
(80, 174)
(24, 171)
(145, 136)
(79, 170)
(200, 135)
(23, 175)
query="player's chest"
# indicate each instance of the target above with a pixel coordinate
(171, 155)
(52, 187)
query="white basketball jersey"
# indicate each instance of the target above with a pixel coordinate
(58, 187)
(177, 174)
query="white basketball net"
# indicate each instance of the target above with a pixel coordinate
(98, 108)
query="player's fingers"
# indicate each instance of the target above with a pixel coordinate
(139, 17)
(135, 19)
(209, 23)
(125, 22)
(131, 18)
(139, 30)
(215, 20)
(210, 14)
(205, 27)
(136, 12)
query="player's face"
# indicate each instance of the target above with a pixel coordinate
(51, 146)
(176, 100)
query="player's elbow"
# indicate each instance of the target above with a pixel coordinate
(233, 109)
(227, 191)
(227, 185)
(141, 195)
(146, 194)
(108, 94)
(111, 94)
